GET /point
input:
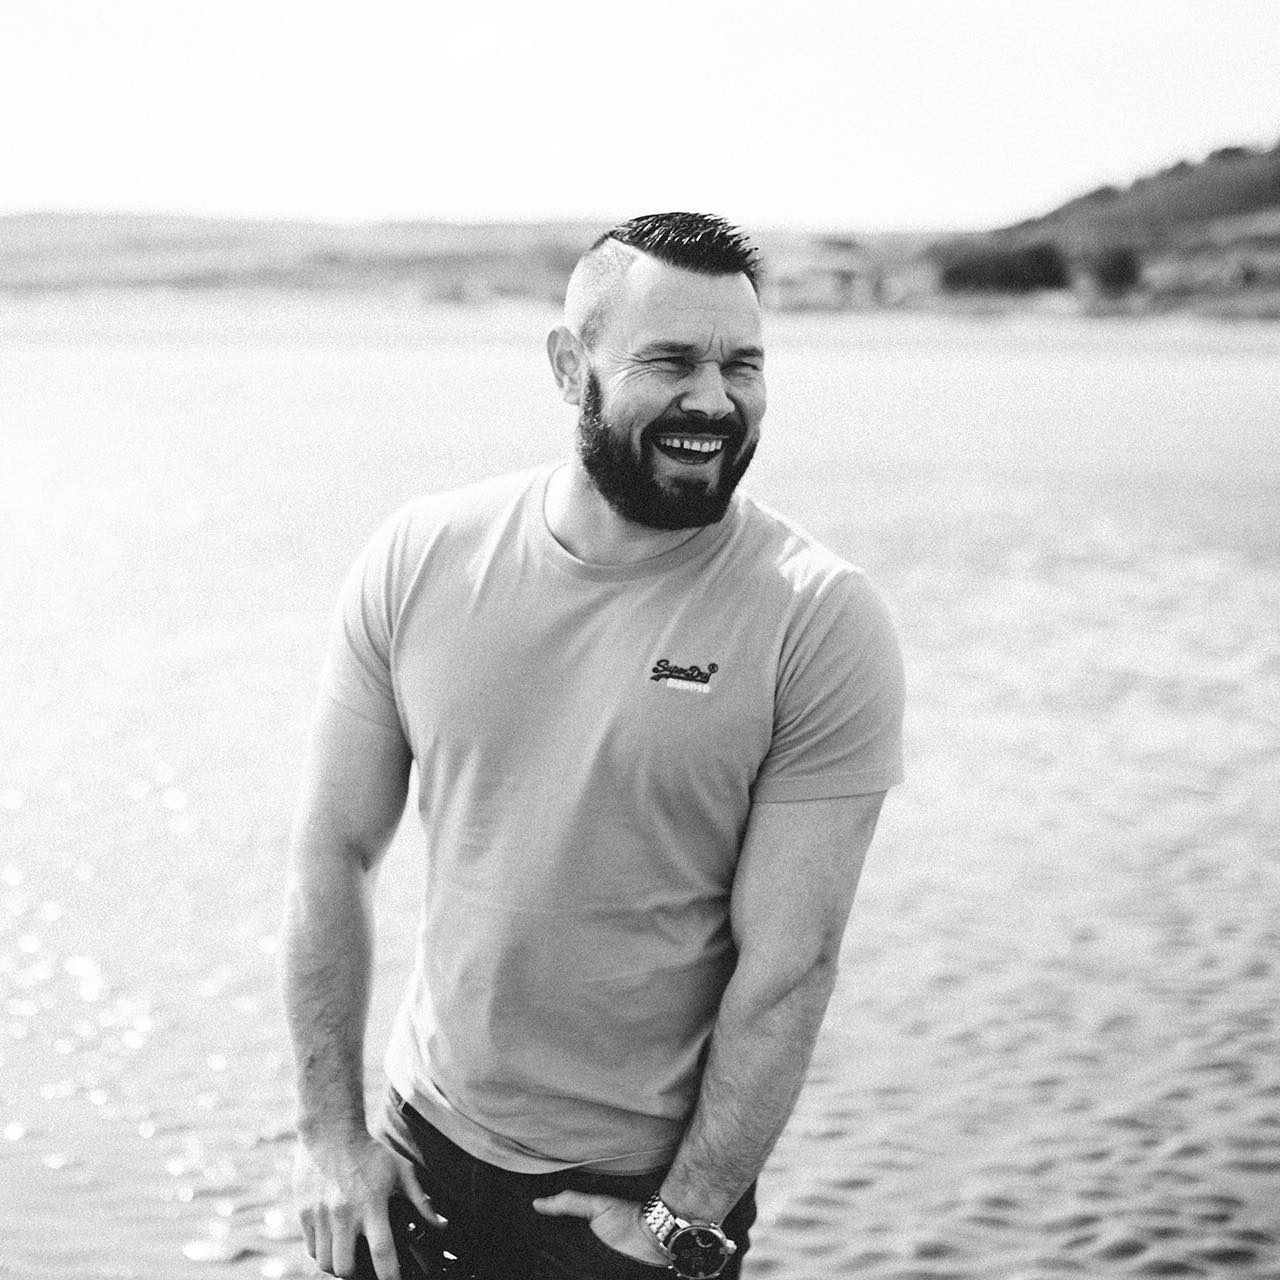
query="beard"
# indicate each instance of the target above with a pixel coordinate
(627, 478)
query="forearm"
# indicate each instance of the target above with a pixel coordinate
(327, 976)
(759, 1054)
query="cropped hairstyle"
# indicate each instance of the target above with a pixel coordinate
(692, 241)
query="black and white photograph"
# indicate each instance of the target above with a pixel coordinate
(640, 641)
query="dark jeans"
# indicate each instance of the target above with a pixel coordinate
(494, 1232)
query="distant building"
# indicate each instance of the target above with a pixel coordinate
(819, 273)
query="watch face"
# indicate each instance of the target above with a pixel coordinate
(698, 1252)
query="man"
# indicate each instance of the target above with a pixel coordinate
(654, 723)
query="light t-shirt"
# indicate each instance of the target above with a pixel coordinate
(590, 740)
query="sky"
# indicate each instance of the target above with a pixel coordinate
(865, 114)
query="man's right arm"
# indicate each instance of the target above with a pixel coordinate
(353, 794)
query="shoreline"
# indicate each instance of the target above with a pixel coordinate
(166, 312)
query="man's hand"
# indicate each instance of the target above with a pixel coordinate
(616, 1222)
(341, 1190)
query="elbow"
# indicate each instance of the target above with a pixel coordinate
(327, 883)
(764, 986)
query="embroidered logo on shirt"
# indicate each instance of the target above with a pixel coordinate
(689, 679)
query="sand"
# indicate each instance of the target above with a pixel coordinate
(1054, 1048)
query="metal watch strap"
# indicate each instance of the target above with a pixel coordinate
(659, 1219)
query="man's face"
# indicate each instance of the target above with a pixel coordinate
(674, 395)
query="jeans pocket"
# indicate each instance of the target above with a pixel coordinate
(425, 1252)
(570, 1250)
(623, 1265)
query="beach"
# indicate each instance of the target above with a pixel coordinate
(1055, 1044)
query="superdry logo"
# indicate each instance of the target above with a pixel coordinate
(689, 679)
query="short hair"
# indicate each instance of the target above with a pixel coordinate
(692, 241)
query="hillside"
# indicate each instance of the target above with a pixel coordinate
(55, 252)
(1205, 234)
(1232, 183)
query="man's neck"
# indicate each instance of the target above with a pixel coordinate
(587, 527)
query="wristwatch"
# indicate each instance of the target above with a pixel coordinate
(698, 1249)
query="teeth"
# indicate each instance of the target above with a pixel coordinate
(696, 446)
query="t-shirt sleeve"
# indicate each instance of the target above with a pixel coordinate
(838, 712)
(357, 667)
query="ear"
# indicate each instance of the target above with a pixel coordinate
(568, 363)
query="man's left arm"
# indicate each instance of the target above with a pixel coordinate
(792, 894)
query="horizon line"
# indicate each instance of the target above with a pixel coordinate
(811, 227)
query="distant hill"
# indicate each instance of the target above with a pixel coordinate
(1231, 183)
(1206, 232)
(457, 262)
(424, 261)
(1204, 235)
(415, 261)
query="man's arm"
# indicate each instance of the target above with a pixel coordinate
(353, 794)
(792, 894)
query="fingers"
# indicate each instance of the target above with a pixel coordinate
(419, 1198)
(382, 1246)
(308, 1219)
(333, 1236)
(322, 1251)
(343, 1227)
(574, 1204)
(358, 1202)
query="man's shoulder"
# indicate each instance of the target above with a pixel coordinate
(444, 526)
(466, 508)
(474, 501)
(825, 600)
(774, 546)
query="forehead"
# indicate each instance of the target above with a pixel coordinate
(660, 303)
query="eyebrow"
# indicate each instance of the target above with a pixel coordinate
(661, 348)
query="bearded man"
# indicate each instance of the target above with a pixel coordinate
(654, 722)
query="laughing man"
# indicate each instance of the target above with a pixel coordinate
(654, 722)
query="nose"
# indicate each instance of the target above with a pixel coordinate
(704, 394)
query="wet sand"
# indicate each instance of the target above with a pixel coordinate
(1055, 1047)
